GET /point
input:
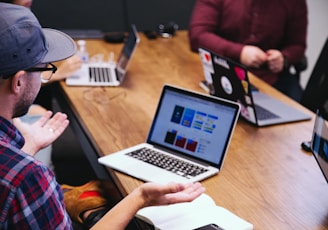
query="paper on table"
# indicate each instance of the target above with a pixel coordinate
(187, 216)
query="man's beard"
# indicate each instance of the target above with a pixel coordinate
(24, 104)
(21, 108)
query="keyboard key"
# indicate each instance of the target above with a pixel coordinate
(100, 74)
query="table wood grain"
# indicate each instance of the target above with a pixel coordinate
(267, 179)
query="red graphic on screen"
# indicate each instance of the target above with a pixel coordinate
(180, 141)
(191, 145)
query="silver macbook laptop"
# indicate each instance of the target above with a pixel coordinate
(109, 73)
(319, 143)
(187, 141)
(227, 79)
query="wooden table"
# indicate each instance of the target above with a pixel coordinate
(266, 178)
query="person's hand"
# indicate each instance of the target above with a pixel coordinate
(275, 61)
(148, 194)
(67, 68)
(43, 132)
(252, 56)
(156, 194)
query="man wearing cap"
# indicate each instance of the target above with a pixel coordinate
(30, 196)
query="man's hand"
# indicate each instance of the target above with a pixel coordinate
(155, 194)
(252, 56)
(43, 132)
(275, 61)
(148, 194)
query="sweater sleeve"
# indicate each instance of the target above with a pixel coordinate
(296, 32)
(205, 20)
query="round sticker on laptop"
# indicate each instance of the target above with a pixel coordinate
(226, 85)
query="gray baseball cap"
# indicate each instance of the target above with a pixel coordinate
(24, 44)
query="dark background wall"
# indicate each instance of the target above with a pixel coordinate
(112, 15)
(149, 13)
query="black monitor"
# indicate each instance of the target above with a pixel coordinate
(315, 95)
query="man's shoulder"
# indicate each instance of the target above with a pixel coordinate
(17, 167)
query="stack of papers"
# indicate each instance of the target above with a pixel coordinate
(186, 216)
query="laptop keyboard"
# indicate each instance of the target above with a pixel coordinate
(264, 114)
(166, 162)
(100, 74)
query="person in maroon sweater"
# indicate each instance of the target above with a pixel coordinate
(265, 36)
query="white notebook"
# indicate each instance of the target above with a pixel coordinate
(187, 216)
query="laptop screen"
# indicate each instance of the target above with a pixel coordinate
(320, 143)
(193, 124)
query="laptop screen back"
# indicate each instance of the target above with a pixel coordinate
(229, 80)
(127, 51)
(195, 125)
(320, 143)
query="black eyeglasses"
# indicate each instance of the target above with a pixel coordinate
(49, 70)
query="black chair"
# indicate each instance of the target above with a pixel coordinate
(315, 95)
(289, 80)
(300, 66)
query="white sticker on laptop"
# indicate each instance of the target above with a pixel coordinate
(206, 60)
(226, 85)
(208, 77)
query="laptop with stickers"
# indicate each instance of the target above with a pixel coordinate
(100, 73)
(187, 141)
(227, 79)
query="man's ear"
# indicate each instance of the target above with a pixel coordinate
(17, 80)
